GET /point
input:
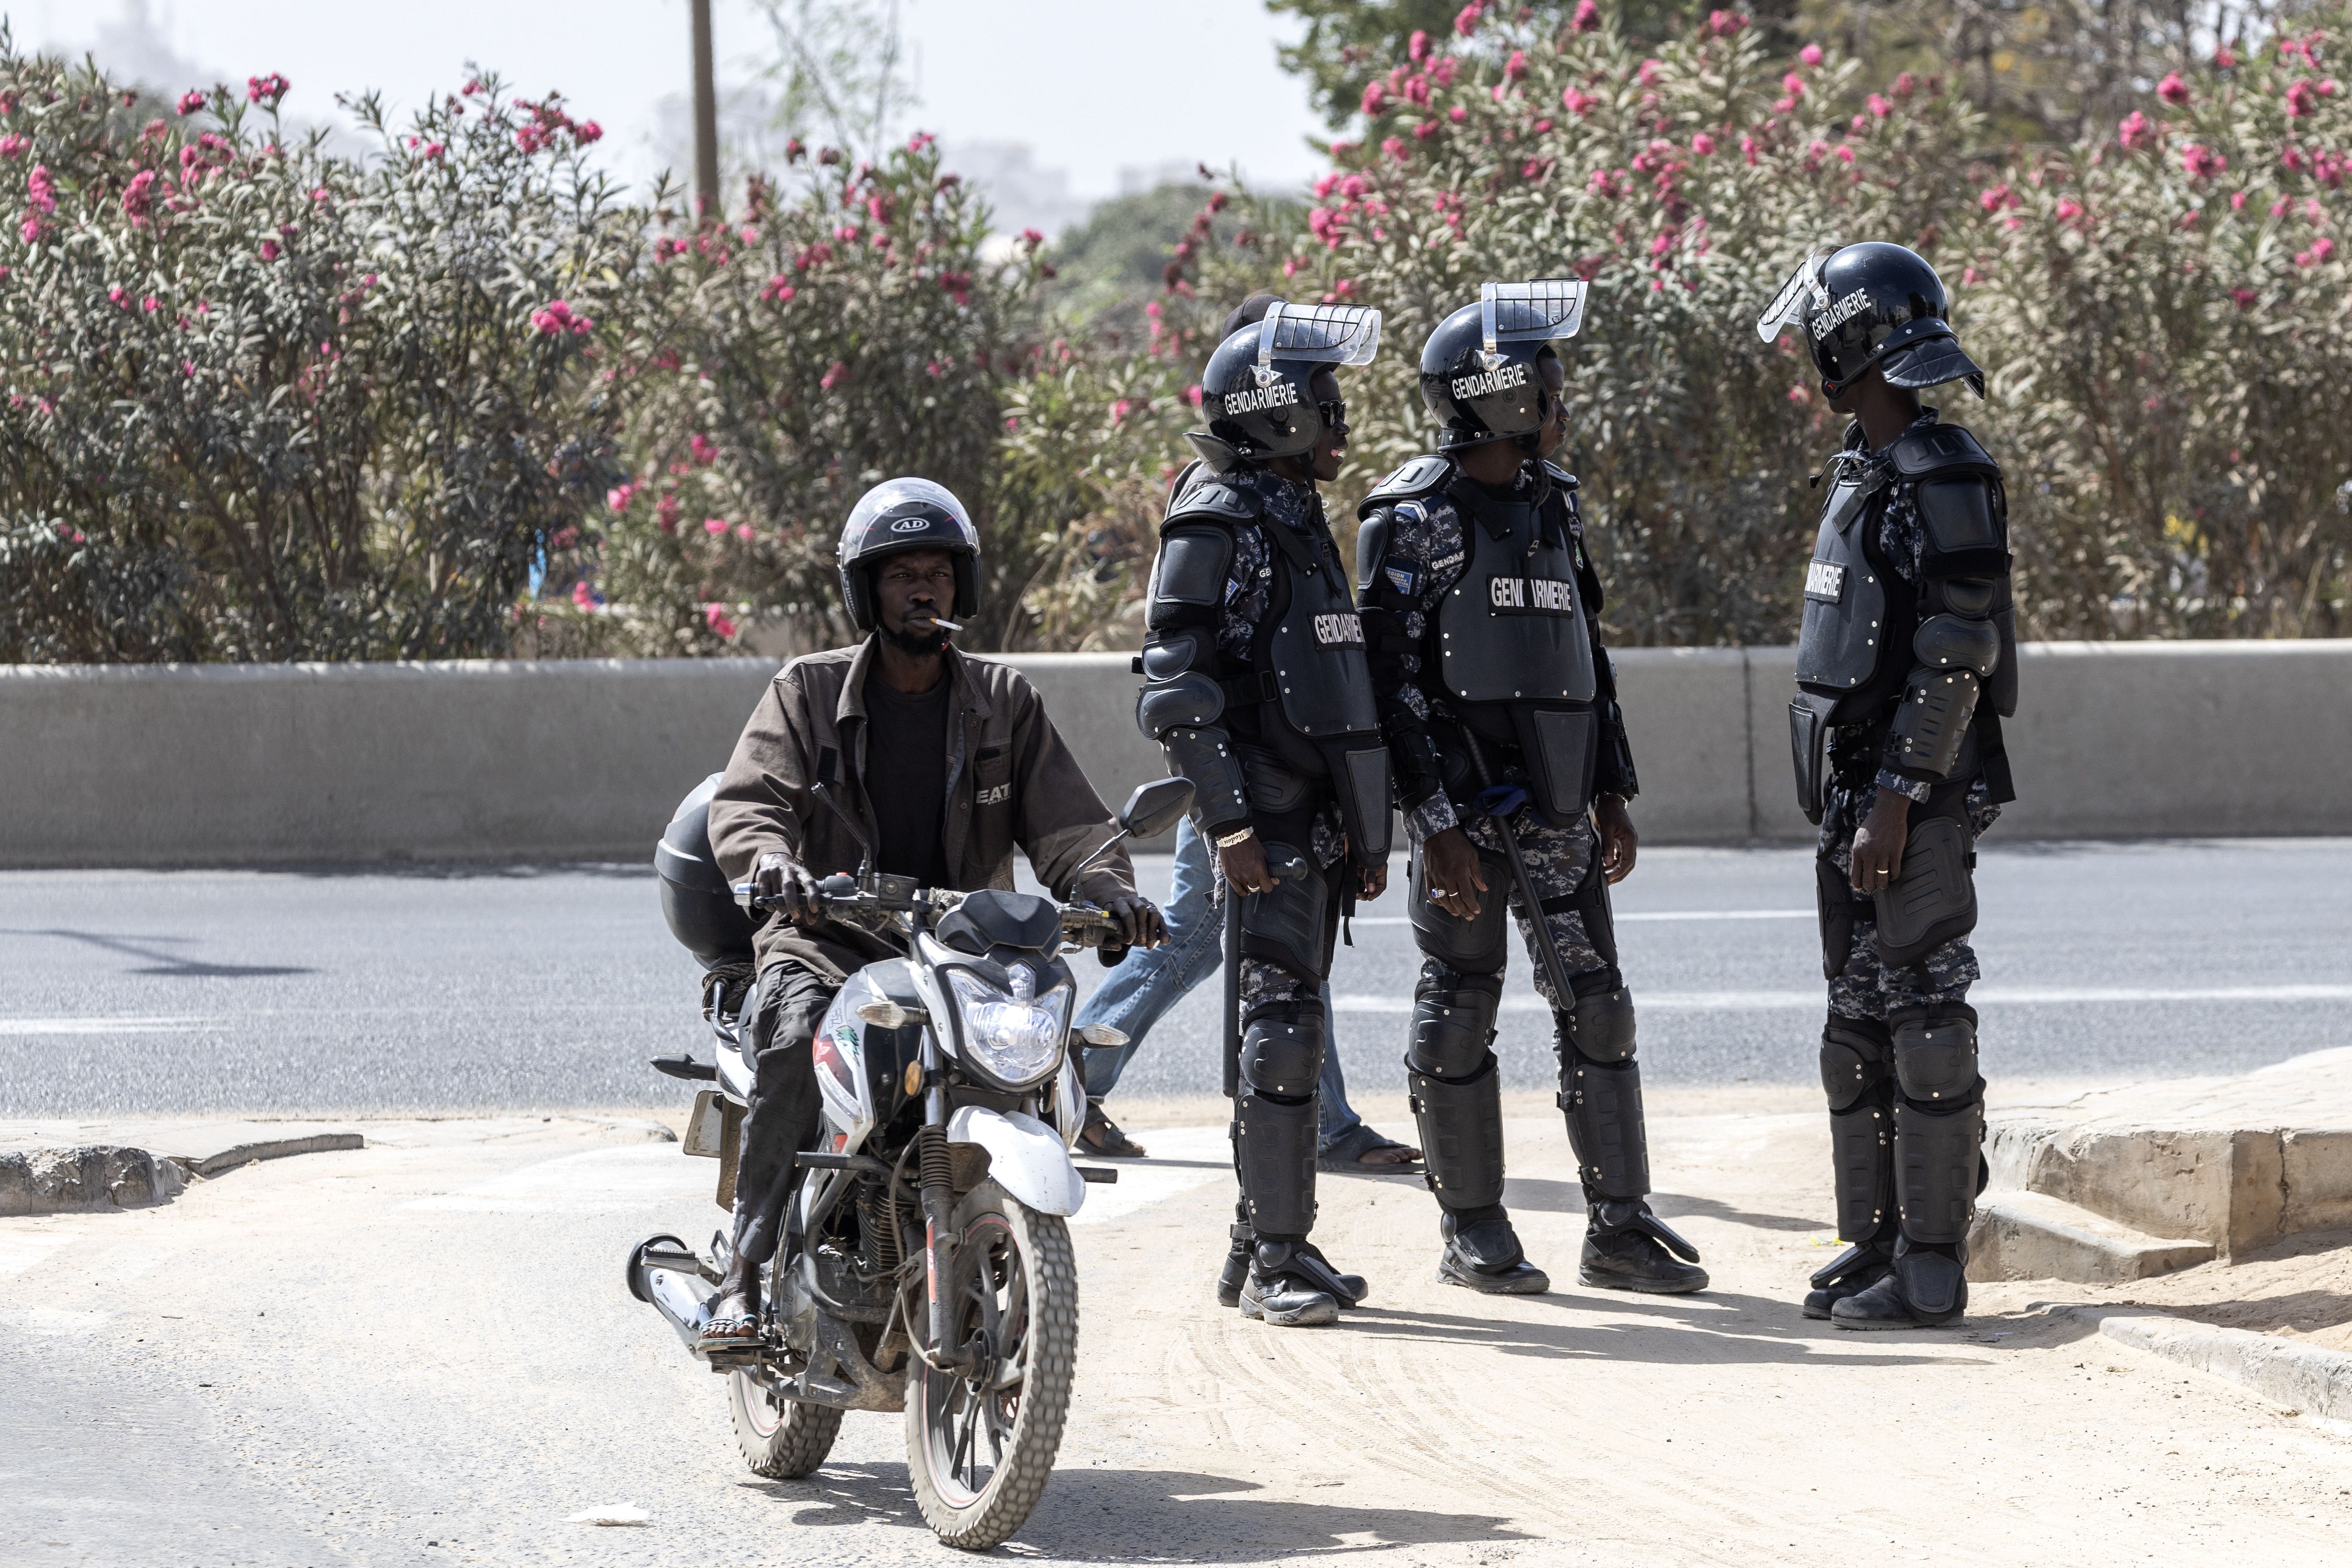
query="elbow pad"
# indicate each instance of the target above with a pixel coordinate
(1183, 707)
(1954, 642)
(1928, 728)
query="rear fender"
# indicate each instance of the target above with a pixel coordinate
(1026, 1157)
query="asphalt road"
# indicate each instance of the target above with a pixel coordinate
(134, 993)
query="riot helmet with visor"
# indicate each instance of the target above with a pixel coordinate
(1257, 391)
(1872, 304)
(1480, 371)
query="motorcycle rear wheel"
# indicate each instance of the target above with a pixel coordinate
(781, 1438)
(980, 1449)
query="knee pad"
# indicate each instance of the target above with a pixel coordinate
(1452, 1023)
(1936, 1156)
(1935, 1048)
(1853, 1059)
(1599, 1024)
(1933, 899)
(1282, 1050)
(1461, 1124)
(1274, 1156)
(1284, 925)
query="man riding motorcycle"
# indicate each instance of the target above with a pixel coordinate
(941, 763)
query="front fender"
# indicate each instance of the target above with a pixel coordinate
(1026, 1157)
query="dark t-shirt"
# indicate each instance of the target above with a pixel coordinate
(906, 778)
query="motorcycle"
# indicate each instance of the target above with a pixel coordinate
(926, 1264)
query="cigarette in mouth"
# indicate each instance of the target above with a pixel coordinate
(946, 624)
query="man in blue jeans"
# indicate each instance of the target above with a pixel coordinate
(1145, 984)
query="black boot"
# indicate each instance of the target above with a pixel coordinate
(1292, 1285)
(1925, 1287)
(1627, 1247)
(1849, 1273)
(1237, 1268)
(1483, 1254)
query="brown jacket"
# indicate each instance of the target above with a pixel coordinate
(1011, 782)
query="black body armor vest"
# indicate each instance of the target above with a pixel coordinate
(1853, 653)
(1309, 697)
(1512, 649)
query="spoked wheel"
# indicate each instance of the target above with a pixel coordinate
(980, 1442)
(779, 1437)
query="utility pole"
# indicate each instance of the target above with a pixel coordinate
(706, 117)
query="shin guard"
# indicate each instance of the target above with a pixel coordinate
(1460, 1124)
(1602, 1102)
(1862, 1158)
(1274, 1157)
(1935, 1154)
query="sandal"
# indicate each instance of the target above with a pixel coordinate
(1100, 1136)
(734, 1324)
(1347, 1154)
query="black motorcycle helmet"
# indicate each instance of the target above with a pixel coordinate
(1874, 303)
(899, 515)
(1255, 390)
(1478, 369)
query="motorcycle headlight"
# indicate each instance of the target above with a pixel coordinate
(1014, 1038)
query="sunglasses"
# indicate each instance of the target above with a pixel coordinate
(1335, 414)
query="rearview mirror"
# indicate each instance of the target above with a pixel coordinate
(1154, 807)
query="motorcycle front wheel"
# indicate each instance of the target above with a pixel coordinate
(980, 1442)
(781, 1438)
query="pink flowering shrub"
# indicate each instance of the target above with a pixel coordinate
(260, 402)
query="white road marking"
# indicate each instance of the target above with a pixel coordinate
(1208, 1157)
(1993, 995)
(23, 1250)
(600, 1179)
(1621, 916)
(54, 1320)
(104, 1026)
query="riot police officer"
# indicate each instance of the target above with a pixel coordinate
(1906, 666)
(1257, 689)
(1482, 610)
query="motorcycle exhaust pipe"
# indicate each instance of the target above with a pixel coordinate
(664, 1274)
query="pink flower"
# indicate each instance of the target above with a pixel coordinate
(150, 304)
(618, 497)
(1457, 114)
(2243, 297)
(434, 149)
(1748, 150)
(1466, 21)
(714, 525)
(587, 131)
(1193, 395)
(1648, 72)
(2069, 210)
(1844, 154)
(13, 145)
(778, 290)
(558, 317)
(1375, 95)
(1425, 130)
(1587, 17)
(1792, 85)
(583, 596)
(2299, 94)
(2172, 89)
(2321, 250)
(1810, 54)
(38, 191)
(1905, 84)
(2237, 201)
(1995, 197)
(118, 297)
(2136, 128)
(2200, 162)
(1724, 24)
(1800, 395)
(699, 445)
(1577, 103)
(1703, 145)
(714, 616)
(1516, 67)
(1417, 46)
(1880, 107)
(744, 532)
(190, 100)
(265, 88)
(1394, 148)
(269, 250)
(2224, 58)
(139, 195)
(835, 376)
(1444, 70)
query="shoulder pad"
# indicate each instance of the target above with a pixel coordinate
(1940, 448)
(1211, 497)
(1560, 478)
(1423, 476)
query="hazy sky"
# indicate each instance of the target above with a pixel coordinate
(1092, 85)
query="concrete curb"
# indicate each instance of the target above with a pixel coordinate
(2031, 1235)
(91, 1178)
(2303, 1379)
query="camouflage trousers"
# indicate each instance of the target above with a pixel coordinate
(1561, 862)
(1867, 987)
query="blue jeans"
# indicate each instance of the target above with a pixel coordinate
(1142, 987)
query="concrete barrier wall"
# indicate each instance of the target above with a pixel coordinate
(292, 763)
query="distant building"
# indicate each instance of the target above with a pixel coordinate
(1021, 192)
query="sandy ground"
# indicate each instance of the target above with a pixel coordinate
(422, 1352)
